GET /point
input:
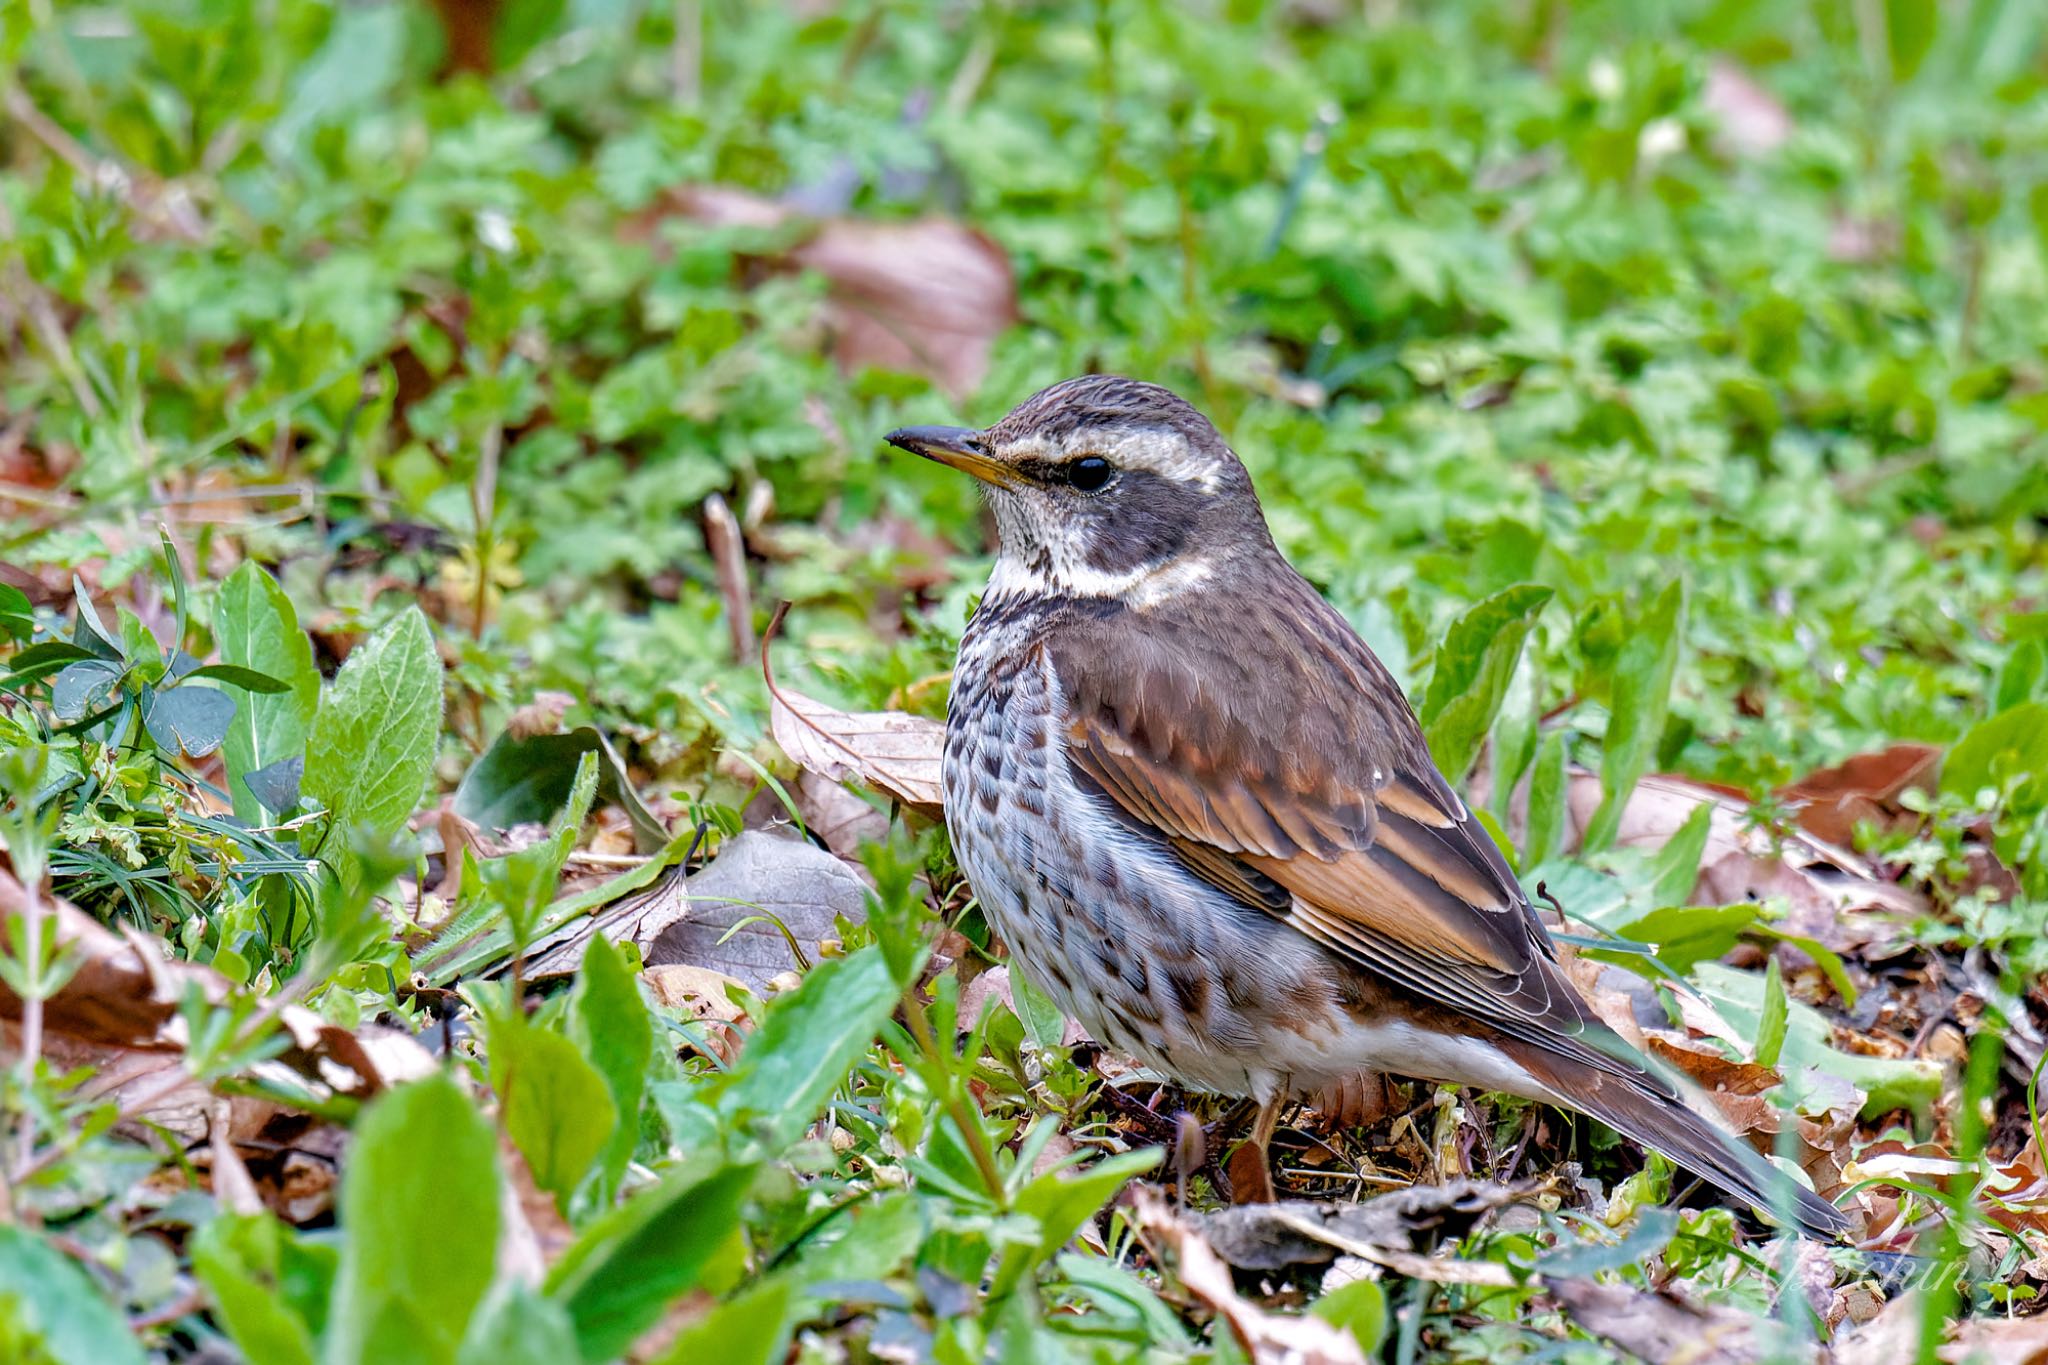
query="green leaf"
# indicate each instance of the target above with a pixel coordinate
(519, 1327)
(372, 741)
(1652, 1232)
(1360, 1308)
(809, 1041)
(522, 883)
(258, 629)
(1643, 670)
(248, 679)
(1041, 1016)
(240, 1260)
(1675, 868)
(1909, 29)
(419, 1217)
(83, 688)
(53, 1305)
(1888, 1083)
(189, 720)
(618, 1277)
(1770, 1033)
(1473, 667)
(526, 781)
(276, 785)
(553, 1103)
(1686, 934)
(751, 1329)
(1546, 802)
(1060, 1201)
(613, 1027)
(2013, 743)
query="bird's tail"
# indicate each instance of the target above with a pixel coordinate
(1643, 1107)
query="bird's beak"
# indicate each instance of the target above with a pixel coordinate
(960, 447)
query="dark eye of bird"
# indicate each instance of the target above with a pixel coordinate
(1089, 473)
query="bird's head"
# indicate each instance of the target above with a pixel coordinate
(1104, 487)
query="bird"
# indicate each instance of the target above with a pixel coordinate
(1202, 816)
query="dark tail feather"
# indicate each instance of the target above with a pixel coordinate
(1642, 1107)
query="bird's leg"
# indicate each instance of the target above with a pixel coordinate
(1251, 1166)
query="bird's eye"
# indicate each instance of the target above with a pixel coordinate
(1089, 473)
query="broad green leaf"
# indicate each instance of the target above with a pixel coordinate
(258, 629)
(613, 1027)
(1888, 1082)
(48, 1301)
(1641, 697)
(1360, 1308)
(83, 688)
(750, 1329)
(809, 1041)
(1473, 667)
(1686, 934)
(518, 1326)
(189, 720)
(240, 1260)
(2013, 743)
(372, 741)
(627, 1267)
(528, 780)
(419, 1219)
(553, 1103)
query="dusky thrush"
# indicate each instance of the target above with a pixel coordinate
(1204, 819)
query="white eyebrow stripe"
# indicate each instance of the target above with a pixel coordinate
(1161, 451)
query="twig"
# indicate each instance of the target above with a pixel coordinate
(722, 536)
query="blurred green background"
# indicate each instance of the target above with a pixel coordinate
(479, 303)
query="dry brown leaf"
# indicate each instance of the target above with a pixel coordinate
(1659, 1325)
(895, 753)
(925, 295)
(1833, 801)
(1268, 1338)
(836, 815)
(705, 996)
(126, 991)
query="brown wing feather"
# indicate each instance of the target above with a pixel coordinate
(1329, 815)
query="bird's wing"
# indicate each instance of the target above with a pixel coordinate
(1281, 763)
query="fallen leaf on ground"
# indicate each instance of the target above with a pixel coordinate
(1660, 1325)
(893, 752)
(1394, 1230)
(1831, 802)
(1268, 1338)
(925, 295)
(757, 874)
(127, 989)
